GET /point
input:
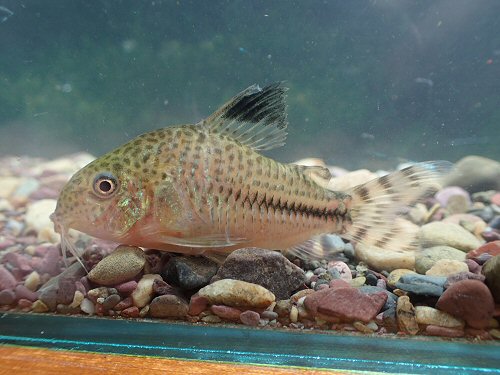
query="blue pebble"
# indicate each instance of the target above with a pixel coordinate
(422, 285)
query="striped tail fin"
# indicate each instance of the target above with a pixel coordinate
(377, 203)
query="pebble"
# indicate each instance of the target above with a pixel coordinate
(168, 306)
(226, 312)
(126, 287)
(390, 321)
(342, 268)
(124, 304)
(430, 316)
(425, 259)
(452, 279)
(495, 333)
(358, 281)
(237, 293)
(7, 280)
(197, 304)
(385, 259)
(447, 267)
(462, 300)
(123, 264)
(491, 248)
(475, 173)
(39, 307)
(405, 312)
(8, 185)
(110, 302)
(391, 297)
(491, 272)
(211, 319)
(38, 218)
(444, 195)
(473, 266)
(432, 330)
(77, 299)
(24, 293)
(422, 285)
(396, 274)
(32, 281)
(294, 314)
(250, 318)
(281, 276)
(447, 234)
(7, 297)
(189, 272)
(346, 303)
(144, 291)
(130, 312)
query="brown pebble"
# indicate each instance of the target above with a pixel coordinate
(480, 334)
(405, 313)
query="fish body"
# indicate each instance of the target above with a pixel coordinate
(205, 188)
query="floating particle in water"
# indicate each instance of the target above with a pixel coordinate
(5, 14)
(489, 61)
(426, 81)
(129, 45)
(65, 87)
(367, 136)
(242, 50)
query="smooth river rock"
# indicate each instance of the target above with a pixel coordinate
(447, 234)
(123, 264)
(237, 293)
(475, 173)
(425, 259)
(491, 271)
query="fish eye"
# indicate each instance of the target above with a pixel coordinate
(105, 184)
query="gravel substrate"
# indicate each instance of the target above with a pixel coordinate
(450, 288)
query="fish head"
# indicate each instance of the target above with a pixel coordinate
(103, 199)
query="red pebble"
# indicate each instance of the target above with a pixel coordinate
(443, 331)
(24, 303)
(130, 312)
(124, 304)
(226, 312)
(492, 248)
(250, 318)
(197, 304)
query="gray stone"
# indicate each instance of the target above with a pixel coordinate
(267, 268)
(391, 297)
(425, 259)
(189, 272)
(422, 285)
(475, 173)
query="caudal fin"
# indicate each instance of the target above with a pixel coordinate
(377, 203)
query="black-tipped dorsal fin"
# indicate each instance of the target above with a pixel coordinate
(255, 117)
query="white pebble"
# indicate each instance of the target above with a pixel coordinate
(87, 306)
(77, 299)
(294, 314)
(144, 291)
(32, 281)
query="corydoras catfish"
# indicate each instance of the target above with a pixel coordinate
(205, 189)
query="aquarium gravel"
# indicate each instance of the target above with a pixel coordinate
(449, 287)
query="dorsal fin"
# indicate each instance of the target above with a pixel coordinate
(255, 117)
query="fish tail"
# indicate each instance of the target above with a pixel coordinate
(377, 204)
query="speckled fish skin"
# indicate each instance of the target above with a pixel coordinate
(205, 188)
